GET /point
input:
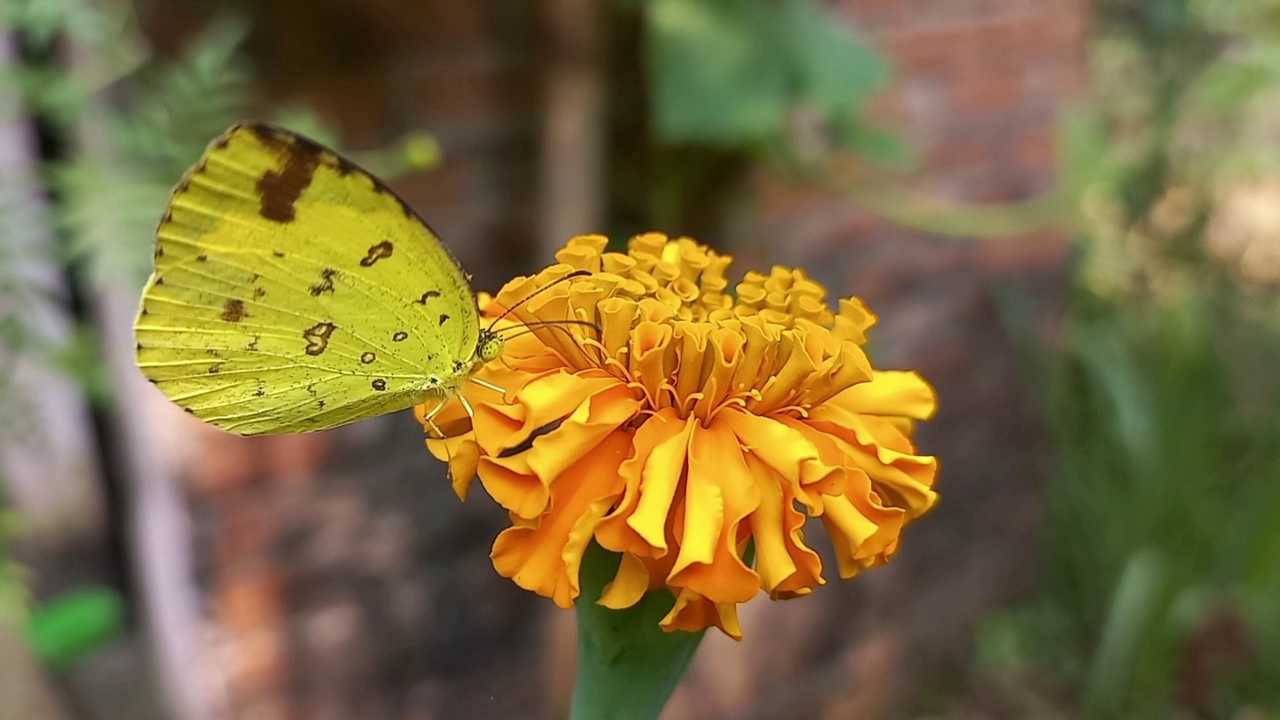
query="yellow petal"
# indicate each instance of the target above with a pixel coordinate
(725, 351)
(786, 565)
(548, 400)
(628, 586)
(719, 494)
(463, 461)
(903, 479)
(783, 449)
(692, 613)
(858, 540)
(893, 393)
(514, 486)
(605, 408)
(614, 532)
(519, 481)
(651, 364)
(661, 475)
(692, 343)
(853, 321)
(796, 365)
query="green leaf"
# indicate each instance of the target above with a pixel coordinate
(834, 69)
(717, 73)
(75, 624)
(730, 73)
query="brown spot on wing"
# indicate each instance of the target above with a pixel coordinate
(343, 166)
(379, 384)
(317, 337)
(279, 190)
(277, 253)
(427, 296)
(367, 357)
(233, 310)
(326, 282)
(377, 252)
(443, 318)
(259, 292)
(202, 257)
(400, 336)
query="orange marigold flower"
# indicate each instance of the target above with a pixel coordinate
(692, 430)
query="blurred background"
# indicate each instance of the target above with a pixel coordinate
(1065, 212)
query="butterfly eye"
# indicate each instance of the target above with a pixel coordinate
(489, 346)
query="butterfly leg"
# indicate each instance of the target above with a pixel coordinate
(471, 413)
(438, 434)
(430, 415)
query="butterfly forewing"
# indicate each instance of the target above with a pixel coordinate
(293, 291)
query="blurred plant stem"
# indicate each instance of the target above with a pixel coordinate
(981, 221)
(1135, 608)
(627, 665)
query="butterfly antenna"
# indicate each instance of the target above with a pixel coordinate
(536, 293)
(538, 323)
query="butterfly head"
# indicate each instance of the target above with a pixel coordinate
(488, 345)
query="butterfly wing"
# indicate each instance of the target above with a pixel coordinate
(293, 291)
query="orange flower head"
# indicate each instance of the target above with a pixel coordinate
(690, 429)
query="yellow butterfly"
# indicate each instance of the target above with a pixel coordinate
(294, 291)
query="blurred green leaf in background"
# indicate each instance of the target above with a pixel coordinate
(1160, 560)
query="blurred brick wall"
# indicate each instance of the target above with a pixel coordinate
(467, 72)
(977, 89)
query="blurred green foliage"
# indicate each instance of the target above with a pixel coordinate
(111, 194)
(704, 88)
(127, 125)
(1159, 571)
(736, 73)
(15, 593)
(1163, 510)
(131, 125)
(74, 624)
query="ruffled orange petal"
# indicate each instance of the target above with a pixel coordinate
(592, 408)
(693, 612)
(785, 451)
(628, 585)
(651, 476)
(786, 565)
(903, 479)
(719, 494)
(892, 393)
(545, 557)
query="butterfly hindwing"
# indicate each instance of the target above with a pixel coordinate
(293, 291)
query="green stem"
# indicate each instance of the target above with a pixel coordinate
(627, 665)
